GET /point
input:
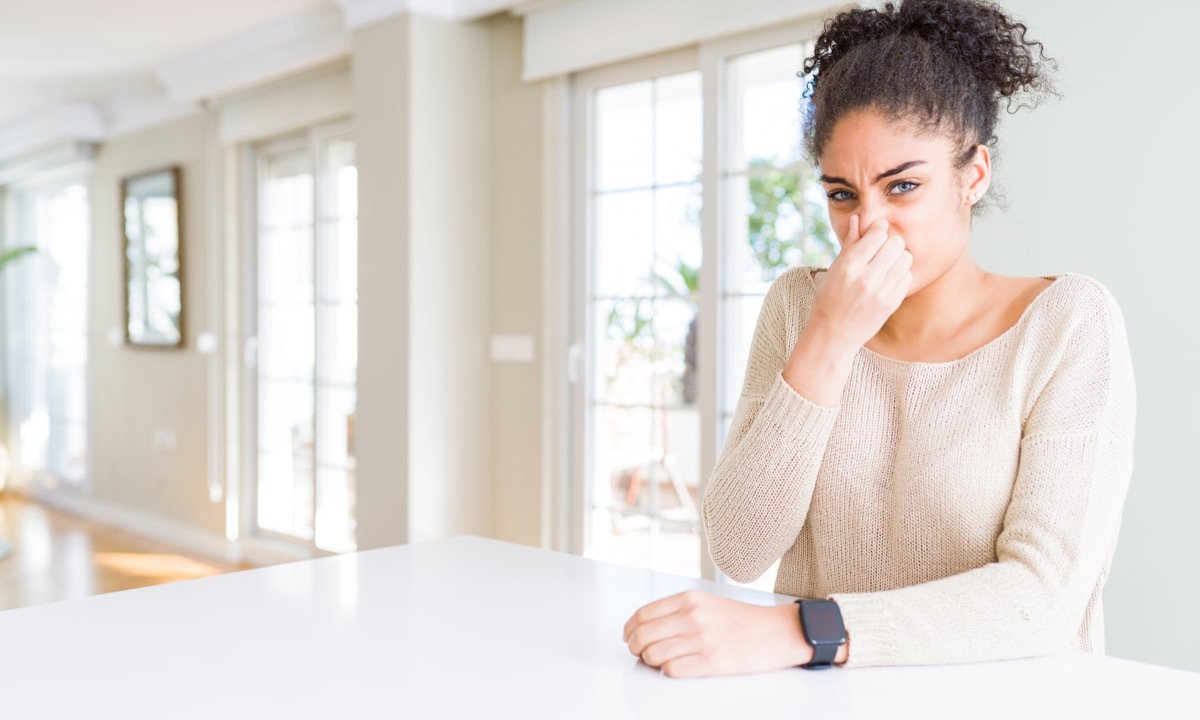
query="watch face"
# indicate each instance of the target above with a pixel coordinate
(823, 622)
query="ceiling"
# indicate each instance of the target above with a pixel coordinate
(110, 53)
(55, 51)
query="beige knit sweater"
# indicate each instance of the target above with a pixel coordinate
(957, 511)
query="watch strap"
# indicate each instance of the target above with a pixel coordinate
(823, 657)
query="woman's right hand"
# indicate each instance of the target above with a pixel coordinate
(865, 285)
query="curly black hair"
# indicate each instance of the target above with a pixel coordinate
(942, 65)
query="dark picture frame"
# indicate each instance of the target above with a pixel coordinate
(152, 258)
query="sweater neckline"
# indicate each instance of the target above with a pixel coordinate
(999, 339)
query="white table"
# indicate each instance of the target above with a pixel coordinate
(468, 627)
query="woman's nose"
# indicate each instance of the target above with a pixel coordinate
(869, 211)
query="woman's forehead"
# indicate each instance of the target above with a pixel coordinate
(868, 142)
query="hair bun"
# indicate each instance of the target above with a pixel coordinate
(981, 36)
(977, 34)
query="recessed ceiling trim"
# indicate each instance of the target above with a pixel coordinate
(359, 13)
(75, 121)
(296, 43)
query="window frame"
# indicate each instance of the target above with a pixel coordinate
(711, 59)
(584, 87)
(314, 140)
(56, 178)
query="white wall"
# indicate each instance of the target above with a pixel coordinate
(381, 125)
(516, 302)
(137, 392)
(422, 122)
(1102, 183)
(450, 489)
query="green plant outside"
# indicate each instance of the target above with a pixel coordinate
(12, 254)
(785, 228)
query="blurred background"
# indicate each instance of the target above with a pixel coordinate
(286, 278)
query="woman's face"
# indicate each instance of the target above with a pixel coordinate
(876, 168)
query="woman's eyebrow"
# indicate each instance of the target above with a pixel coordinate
(886, 173)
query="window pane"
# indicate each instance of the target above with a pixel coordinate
(623, 451)
(285, 264)
(338, 260)
(338, 346)
(624, 136)
(285, 469)
(677, 242)
(623, 347)
(288, 190)
(335, 435)
(775, 221)
(285, 495)
(285, 341)
(676, 328)
(624, 243)
(763, 112)
(285, 417)
(680, 116)
(342, 176)
(646, 256)
(47, 321)
(308, 342)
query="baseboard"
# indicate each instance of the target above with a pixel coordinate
(170, 532)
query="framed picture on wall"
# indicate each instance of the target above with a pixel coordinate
(153, 241)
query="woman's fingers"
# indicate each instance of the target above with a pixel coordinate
(687, 666)
(656, 609)
(664, 651)
(853, 234)
(656, 630)
(868, 244)
(899, 276)
(891, 251)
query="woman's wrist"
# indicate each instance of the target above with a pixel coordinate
(819, 365)
(795, 650)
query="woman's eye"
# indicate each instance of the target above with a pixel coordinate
(904, 186)
(840, 195)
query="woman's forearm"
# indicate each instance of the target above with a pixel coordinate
(819, 366)
(758, 495)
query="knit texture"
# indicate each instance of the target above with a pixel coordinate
(957, 511)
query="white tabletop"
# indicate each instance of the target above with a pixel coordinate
(468, 627)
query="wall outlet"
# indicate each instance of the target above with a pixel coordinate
(165, 440)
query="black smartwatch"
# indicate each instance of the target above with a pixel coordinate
(821, 621)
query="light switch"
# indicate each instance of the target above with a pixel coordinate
(206, 343)
(512, 348)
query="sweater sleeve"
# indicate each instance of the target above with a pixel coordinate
(758, 496)
(1059, 530)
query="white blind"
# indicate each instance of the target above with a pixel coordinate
(566, 38)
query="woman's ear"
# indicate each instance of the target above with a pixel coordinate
(978, 175)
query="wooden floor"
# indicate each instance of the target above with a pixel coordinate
(60, 557)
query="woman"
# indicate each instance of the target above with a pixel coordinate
(938, 452)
